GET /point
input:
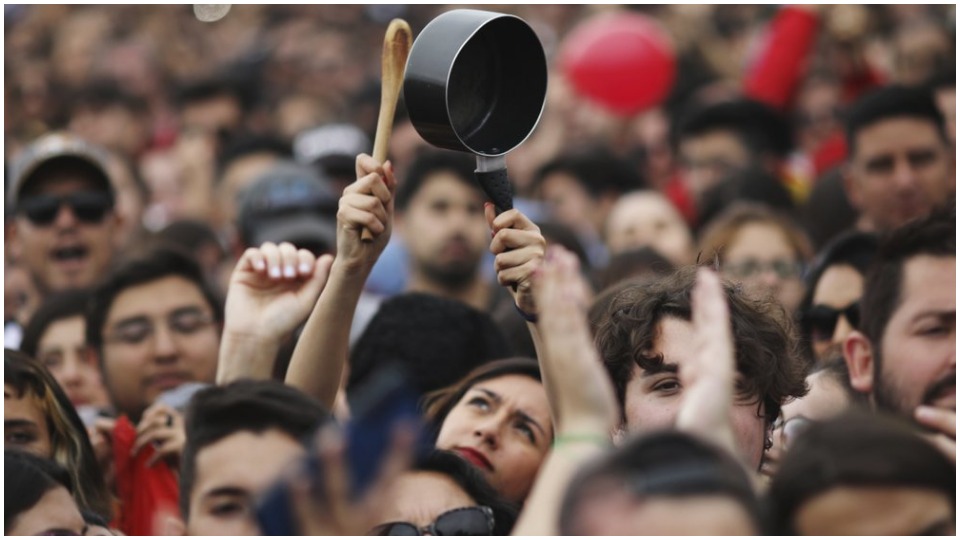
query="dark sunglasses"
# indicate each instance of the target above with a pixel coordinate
(469, 521)
(88, 206)
(820, 321)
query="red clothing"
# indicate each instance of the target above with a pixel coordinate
(775, 76)
(144, 492)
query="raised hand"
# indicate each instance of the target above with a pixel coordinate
(272, 290)
(944, 423)
(710, 376)
(365, 204)
(519, 248)
(162, 426)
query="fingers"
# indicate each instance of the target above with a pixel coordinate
(946, 445)
(159, 425)
(283, 261)
(362, 211)
(366, 165)
(507, 239)
(511, 219)
(170, 447)
(942, 420)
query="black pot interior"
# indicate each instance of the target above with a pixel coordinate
(497, 87)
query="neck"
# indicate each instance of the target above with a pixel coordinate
(475, 293)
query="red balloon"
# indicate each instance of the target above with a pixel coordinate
(623, 61)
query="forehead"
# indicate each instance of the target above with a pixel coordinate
(928, 284)
(157, 297)
(227, 462)
(645, 207)
(896, 134)
(26, 407)
(419, 497)
(760, 240)
(520, 390)
(68, 328)
(675, 340)
(838, 286)
(446, 185)
(718, 142)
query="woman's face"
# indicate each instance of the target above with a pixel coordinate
(55, 514)
(63, 350)
(839, 287)
(502, 426)
(24, 424)
(761, 257)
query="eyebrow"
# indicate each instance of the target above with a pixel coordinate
(18, 423)
(138, 319)
(939, 314)
(521, 414)
(664, 368)
(225, 491)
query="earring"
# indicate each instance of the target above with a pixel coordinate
(767, 442)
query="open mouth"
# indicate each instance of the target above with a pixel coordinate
(70, 253)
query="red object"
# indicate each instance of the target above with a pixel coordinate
(775, 76)
(624, 62)
(145, 492)
(676, 191)
(830, 154)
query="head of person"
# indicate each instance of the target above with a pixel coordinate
(645, 335)
(904, 354)
(243, 159)
(830, 308)
(55, 337)
(39, 419)
(154, 323)
(943, 86)
(105, 113)
(648, 219)
(38, 501)
(228, 428)
(333, 149)
(718, 139)
(497, 418)
(214, 104)
(440, 218)
(762, 250)
(863, 474)
(582, 188)
(63, 200)
(751, 185)
(664, 483)
(436, 340)
(644, 263)
(900, 164)
(289, 203)
(830, 394)
(444, 496)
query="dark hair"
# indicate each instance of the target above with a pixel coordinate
(766, 349)
(56, 307)
(934, 235)
(26, 479)
(760, 128)
(217, 412)
(597, 170)
(68, 436)
(102, 93)
(437, 340)
(154, 264)
(855, 249)
(471, 480)
(226, 83)
(642, 262)
(428, 164)
(943, 79)
(858, 449)
(894, 101)
(245, 144)
(662, 464)
(750, 185)
(190, 235)
(438, 404)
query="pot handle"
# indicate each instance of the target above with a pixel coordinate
(497, 186)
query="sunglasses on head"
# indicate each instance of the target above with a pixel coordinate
(88, 206)
(469, 521)
(821, 321)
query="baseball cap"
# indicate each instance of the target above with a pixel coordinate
(57, 147)
(290, 203)
(331, 145)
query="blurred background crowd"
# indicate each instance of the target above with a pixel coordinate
(755, 139)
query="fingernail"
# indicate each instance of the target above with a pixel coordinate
(289, 271)
(925, 413)
(274, 271)
(304, 268)
(258, 265)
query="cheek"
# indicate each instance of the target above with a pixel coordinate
(748, 429)
(644, 412)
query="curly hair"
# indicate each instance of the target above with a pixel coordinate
(767, 354)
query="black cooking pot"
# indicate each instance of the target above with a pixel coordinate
(476, 82)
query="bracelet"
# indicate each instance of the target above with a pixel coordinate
(598, 440)
(530, 317)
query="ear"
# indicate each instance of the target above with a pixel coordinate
(11, 236)
(858, 353)
(851, 186)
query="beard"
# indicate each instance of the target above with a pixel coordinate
(890, 399)
(452, 271)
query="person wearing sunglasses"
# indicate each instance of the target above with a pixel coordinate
(65, 223)
(830, 309)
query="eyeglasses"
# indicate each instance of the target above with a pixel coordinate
(792, 428)
(469, 521)
(784, 269)
(820, 321)
(88, 206)
(137, 330)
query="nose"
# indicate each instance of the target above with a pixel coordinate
(905, 177)
(65, 217)
(165, 348)
(842, 330)
(72, 373)
(488, 431)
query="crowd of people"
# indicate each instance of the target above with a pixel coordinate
(731, 313)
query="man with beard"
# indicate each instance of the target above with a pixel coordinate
(904, 355)
(440, 218)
